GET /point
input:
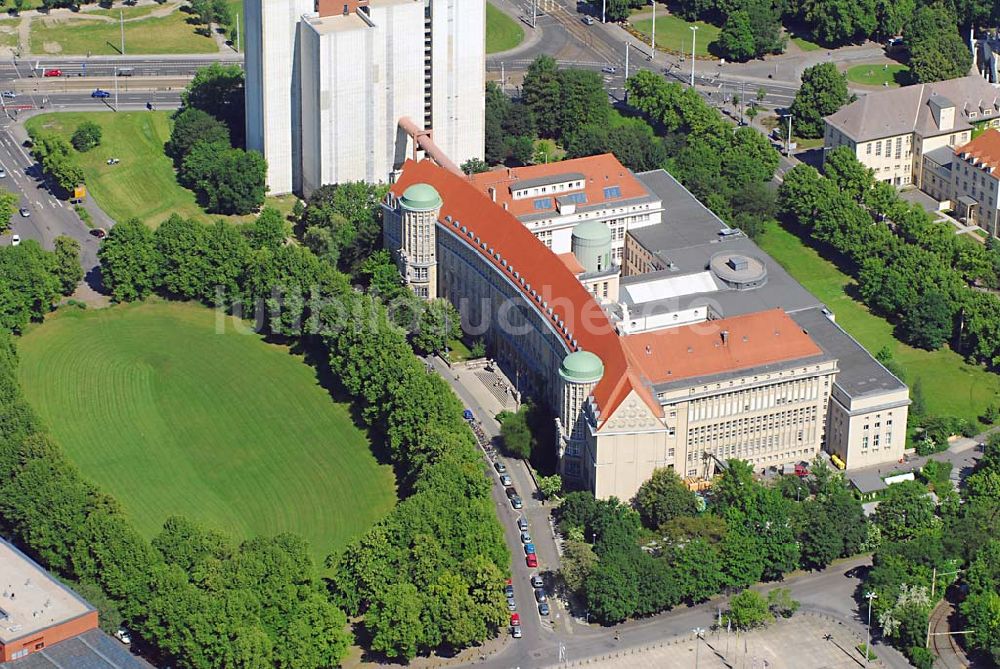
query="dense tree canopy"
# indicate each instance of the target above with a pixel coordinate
(823, 91)
(937, 51)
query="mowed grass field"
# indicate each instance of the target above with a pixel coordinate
(502, 32)
(879, 74)
(674, 33)
(170, 417)
(143, 184)
(952, 387)
(170, 34)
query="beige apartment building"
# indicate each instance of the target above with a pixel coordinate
(755, 372)
(890, 131)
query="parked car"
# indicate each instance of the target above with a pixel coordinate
(500, 467)
(529, 549)
(536, 581)
(3, 173)
(516, 502)
(15, 240)
(589, 20)
(511, 604)
(525, 538)
(540, 595)
(467, 414)
(505, 480)
(52, 73)
(25, 212)
(100, 233)
(543, 609)
(522, 524)
(515, 619)
(515, 631)
(511, 492)
(531, 560)
(608, 69)
(100, 93)
(8, 94)
(123, 635)
(508, 590)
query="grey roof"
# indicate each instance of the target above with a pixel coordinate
(860, 374)
(896, 111)
(547, 180)
(780, 290)
(690, 236)
(90, 650)
(942, 155)
(866, 481)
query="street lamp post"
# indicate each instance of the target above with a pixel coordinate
(694, 38)
(697, 636)
(121, 22)
(788, 145)
(652, 38)
(868, 638)
(604, 11)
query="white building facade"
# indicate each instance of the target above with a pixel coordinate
(328, 82)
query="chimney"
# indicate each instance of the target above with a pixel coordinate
(725, 337)
(493, 193)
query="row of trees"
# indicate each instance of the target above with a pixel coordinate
(727, 170)
(226, 179)
(956, 536)
(32, 279)
(431, 573)
(202, 600)
(57, 159)
(667, 548)
(909, 269)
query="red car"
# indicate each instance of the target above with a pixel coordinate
(515, 620)
(52, 73)
(531, 560)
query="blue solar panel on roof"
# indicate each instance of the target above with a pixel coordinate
(577, 198)
(612, 192)
(543, 203)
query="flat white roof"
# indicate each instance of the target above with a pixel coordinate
(30, 599)
(671, 286)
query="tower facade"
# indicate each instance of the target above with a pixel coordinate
(273, 95)
(579, 372)
(410, 235)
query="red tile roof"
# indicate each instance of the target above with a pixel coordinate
(627, 367)
(690, 351)
(572, 264)
(985, 149)
(599, 172)
(542, 271)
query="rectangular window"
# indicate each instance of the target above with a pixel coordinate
(899, 147)
(868, 148)
(543, 203)
(864, 442)
(612, 192)
(878, 148)
(577, 198)
(875, 440)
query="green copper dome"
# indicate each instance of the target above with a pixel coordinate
(593, 231)
(420, 197)
(581, 367)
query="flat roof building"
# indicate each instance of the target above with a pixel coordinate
(36, 611)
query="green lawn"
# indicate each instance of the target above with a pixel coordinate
(502, 32)
(143, 184)
(674, 33)
(171, 416)
(951, 386)
(236, 7)
(878, 74)
(8, 32)
(805, 44)
(78, 36)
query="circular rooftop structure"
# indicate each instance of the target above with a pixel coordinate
(581, 367)
(593, 231)
(420, 197)
(738, 271)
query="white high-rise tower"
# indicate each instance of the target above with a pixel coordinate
(329, 80)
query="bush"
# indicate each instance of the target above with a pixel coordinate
(84, 215)
(920, 657)
(86, 137)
